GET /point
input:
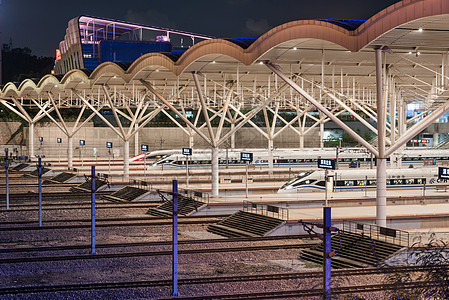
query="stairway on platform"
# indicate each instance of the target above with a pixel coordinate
(187, 207)
(245, 224)
(20, 167)
(126, 194)
(60, 178)
(35, 173)
(87, 186)
(357, 251)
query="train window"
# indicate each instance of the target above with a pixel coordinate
(308, 181)
(371, 182)
(340, 183)
(349, 182)
(397, 181)
(388, 181)
(320, 183)
(409, 181)
(361, 182)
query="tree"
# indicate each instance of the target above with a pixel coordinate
(19, 64)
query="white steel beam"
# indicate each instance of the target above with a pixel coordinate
(418, 127)
(98, 113)
(204, 110)
(322, 109)
(114, 112)
(173, 109)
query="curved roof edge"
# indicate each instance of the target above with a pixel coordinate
(382, 22)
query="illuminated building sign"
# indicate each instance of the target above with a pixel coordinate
(58, 54)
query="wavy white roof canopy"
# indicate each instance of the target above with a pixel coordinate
(317, 43)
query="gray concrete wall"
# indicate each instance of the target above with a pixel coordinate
(156, 137)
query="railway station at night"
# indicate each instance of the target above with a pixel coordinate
(156, 163)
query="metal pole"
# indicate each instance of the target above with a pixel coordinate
(246, 181)
(175, 238)
(144, 165)
(39, 178)
(366, 186)
(109, 159)
(7, 178)
(93, 187)
(336, 158)
(325, 186)
(326, 250)
(187, 169)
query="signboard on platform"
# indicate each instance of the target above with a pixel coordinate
(108, 144)
(82, 142)
(59, 140)
(443, 173)
(187, 151)
(246, 156)
(41, 139)
(326, 163)
(144, 148)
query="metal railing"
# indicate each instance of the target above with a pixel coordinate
(266, 210)
(394, 236)
(141, 184)
(196, 195)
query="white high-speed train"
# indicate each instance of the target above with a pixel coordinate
(201, 158)
(356, 179)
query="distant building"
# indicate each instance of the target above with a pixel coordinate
(90, 41)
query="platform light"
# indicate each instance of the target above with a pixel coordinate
(214, 62)
(294, 48)
(410, 52)
(261, 63)
(418, 53)
(420, 29)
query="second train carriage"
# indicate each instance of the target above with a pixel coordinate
(350, 180)
(201, 158)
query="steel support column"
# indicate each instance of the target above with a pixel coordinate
(270, 155)
(381, 189)
(215, 179)
(126, 161)
(31, 140)
(69, 152)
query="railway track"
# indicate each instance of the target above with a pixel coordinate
(152, 253)
(137, 223)
(85, 205)
(157, 243)
(231, 279)
(99, 220)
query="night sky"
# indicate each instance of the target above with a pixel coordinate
(41, 24)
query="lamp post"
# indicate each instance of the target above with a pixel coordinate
(187, 152)
(144, 149)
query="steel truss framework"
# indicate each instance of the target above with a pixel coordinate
(398, 56)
